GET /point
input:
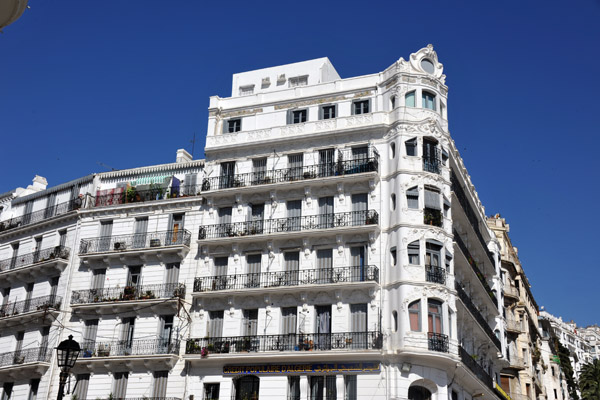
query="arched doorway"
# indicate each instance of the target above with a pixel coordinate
(418, 393)
(246, 388)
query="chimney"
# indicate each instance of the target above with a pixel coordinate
(39, 183)
(183, 156)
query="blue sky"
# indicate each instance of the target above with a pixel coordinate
(127, 83)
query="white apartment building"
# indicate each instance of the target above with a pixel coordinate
(331, 246)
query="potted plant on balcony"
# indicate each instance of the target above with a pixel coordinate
(204, 352)
(128, 293)
(372, 219)
(103, 350)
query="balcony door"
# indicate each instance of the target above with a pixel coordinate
(224, 228)
(141, 229)
(19, 347)
(250, 323)
(324, 266)
(50, 206)
(134, 275)
(90, 331)
(227, 176)
(434, 316)
(326, 163)
(105, 236)
(53, 290)
(215, 324)
(257, 216)
(359, 208)
(325, 212)
(37, 249)
(289, 317)
(294, 216)
(253, 262)
(295, 167)
(127, 329)
(259, 171)
(165, 333)
(323, 327)
(291, 265)
(358, 326)
(357, 263)
(220, 273)
(28, 294)
(175, 235)
(14, 258)
(431, 158)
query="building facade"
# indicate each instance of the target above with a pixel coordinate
(330, 246)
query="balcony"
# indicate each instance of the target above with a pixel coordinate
(513, 326)
(477, 369)
(23, 364)
(41, 215)
(517, 362)
(433, 217)
(151, 354)
(511, 292)
(340, 221)
(25, 311)
(437, 342)
(293, 174)
(127, 298)
(472, 216)
(304, 345)
(435, 274)
(432, 164)
(158, 244)
(473, 265)
(280, 280)
(119, 196)
(44, 262)
(466, 300)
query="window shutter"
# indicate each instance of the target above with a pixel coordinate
(432, 199)
(81, 387)
(159, 389)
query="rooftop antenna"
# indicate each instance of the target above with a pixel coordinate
(105, 166)
(193, 142)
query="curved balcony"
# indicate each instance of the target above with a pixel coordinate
(302, 345)
(41, 215)
(477, 369)
(27, 363)
(466, 300)
(438, 342)
(26, 267)
(435, 274)
(290, 226)
(155, 354)
(38, 309)
(302, 175)
(169, 245)
(116, 300)
(511, 293)
(286, 280)
(513, 326)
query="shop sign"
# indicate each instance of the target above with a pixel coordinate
(301, 368)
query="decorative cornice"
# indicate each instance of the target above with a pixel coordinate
(152, 169)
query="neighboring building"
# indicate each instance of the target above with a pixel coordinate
(592, 336)
(554, 378)
(522, 378)
(331, 246)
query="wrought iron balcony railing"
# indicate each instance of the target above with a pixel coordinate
(37, 216)
(286, 342)
(348, 167)
(432, 164)
(120, 348)
(289, 224)
(113, 197)
(473, 265)
(477, 369)
(38, 354)
(287, 278)
(462, 294)
(438, 342)
(22, 260)
(435, 274)
(129, 293)
(472, 216)
(34, 304)
(136, 241)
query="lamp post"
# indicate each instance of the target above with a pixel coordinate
(67, 353)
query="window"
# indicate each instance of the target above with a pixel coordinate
(394, 321)
(411, 147)
(393, 201)
(226, 179)
(413, 253)
(394, 255)
(215, 324)
(298, 81)
(81, 386)
(233, 125)
(119, 388)
(432, 212)
(443, 110)
(294, 216)
(211, 391)
(393, 102)
(444, 157)
(350, 387)
(414, 316)
(288, 320)
(555, 394)
(392, 150)
(434, 316)
(360, 107)
(250, 322)
(246, 387)
(246, 90)
(427, 66)
(412, 197)
(7, 391)
(293, 388)
(159, 384)
(446, 206)
(431, 157)
(409, 99)
(322, 387)
(432, 253)
(298, 116)
(428, 100)
(33, 389)
(62, 238)
(295, 167)
(328, 112)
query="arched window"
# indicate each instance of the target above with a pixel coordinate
(246, 388)
(414, 316)
(418, 393)
(434, 316)
(412, 197)
(428, 100)
(409, 99)
(394, 321)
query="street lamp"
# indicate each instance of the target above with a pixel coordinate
(67, 353)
